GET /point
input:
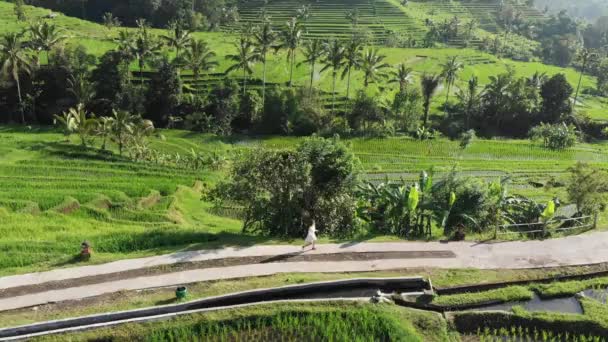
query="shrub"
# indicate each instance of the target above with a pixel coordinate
(587, 188)
(556, 137)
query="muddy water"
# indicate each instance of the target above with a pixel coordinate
(563, 305)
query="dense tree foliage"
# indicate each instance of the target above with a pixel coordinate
(283, 191)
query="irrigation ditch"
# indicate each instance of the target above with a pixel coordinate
(349, 289)
(411, 292)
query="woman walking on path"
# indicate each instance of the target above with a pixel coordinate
(311, 238)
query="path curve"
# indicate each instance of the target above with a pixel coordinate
(569, 251)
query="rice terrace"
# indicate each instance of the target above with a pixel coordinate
(304, 170)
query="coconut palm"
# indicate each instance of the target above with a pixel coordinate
(15, 61)
(401, 75)
(177, 38)
(264, 39)
(313, 51)
(82, 122)
(352, 60)
(585, 56)
(66, 121)
(110, 21)
(470, 27)
(121, 125)
(104, 130)
(334, 60)
(470, 98)
(244, 59)
(199, 58)
(536, 81)
(126, 43)
(372, 65)
(146, 46)
(429, 85)
(81, 88)
(290, 40)
(45, 36)
(450, 72)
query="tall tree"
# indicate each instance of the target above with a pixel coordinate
(121, 125)
(177, 38)
(110, 21)
(470, 98)
(45, 37)
(352, 60)
(313, 51)
(264, 39)
(429, 85)
(198, 57)
(450, 72)
(19, 10)
(372, 66)
(290, 40)
(15, 61)
(244, 59)
(334, 60)
(402, 76)
(585, 57)
(146, 46)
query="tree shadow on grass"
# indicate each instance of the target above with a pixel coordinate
(67, 150)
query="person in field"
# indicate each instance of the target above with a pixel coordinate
(311, 237)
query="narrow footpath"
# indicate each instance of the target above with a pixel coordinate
(569, 251)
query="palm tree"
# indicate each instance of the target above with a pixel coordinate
(104, 130)
(352, 60)
(126, 42)
(198, 57)
(45, 36)
(372, 65)
(313, 51)
(264, 39)
(110, 21)
(536, 81)
(334, 59)
(66, 121)
(82, 89)
(402, 76)
(290, 40)
(450, 72)
(429, 85)
(145, 46)
(244, 59)
(84, 122)
(15, 61)
(470, 27)
(585, 56)
(121, 124)
(470, 98)
(177, 38)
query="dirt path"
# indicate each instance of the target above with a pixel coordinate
(229, 263)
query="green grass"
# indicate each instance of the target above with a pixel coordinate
(566, 288)
(331, 321)
(507, 294)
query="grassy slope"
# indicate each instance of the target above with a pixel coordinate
(42, 176)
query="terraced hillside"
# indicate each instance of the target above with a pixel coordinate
(54, 195)
(380, 18)
(328, 17)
